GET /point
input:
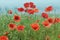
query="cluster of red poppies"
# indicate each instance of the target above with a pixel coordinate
(30, 8)
(13, 26)
(47, 9)
(49, 20)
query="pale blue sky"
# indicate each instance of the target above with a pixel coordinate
(41, 4)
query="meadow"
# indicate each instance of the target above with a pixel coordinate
(29, 32)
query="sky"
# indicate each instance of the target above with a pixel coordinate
(41, 4)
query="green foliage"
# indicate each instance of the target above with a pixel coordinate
(28, 33)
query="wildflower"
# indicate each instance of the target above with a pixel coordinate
(20, 9)
(35, 26)
(20, 27)
(11, 26)
(32, 6)
(49, 8)
(50, 20)
(26, 5)
(4, 38)
(17, 18)
(56, 20)
(44, 15)
(31, 3)
(30, 11)
(46, 24)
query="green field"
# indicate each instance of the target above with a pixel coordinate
(28, 33)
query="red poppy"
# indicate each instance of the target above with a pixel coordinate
(56, 20)
(11, 26)
(20, 9)
(35, 26)
(44, 15)
(32, 6)
(31, 3)
(49, 8)
(10, 11)
(46, 24)
(50, 20)
(26, 5)
(17, 18)
(20, 27)
(4, 38)
(30, 11)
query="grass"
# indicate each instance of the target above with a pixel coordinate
(28, 33)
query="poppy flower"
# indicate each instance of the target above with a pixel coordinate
(4, 38)
(36, 10)
(56, 20)
(44, 15)
(20, 9)
(35, 26)
(50, 20)
(17, 18)
(26, 5)
(10, 12)
(30, 11)
(31, 3)
(46, 24)
(11, 26)
(20, 27)
(32, 6)
(49, 8)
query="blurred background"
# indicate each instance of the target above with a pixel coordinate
(41, 4)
